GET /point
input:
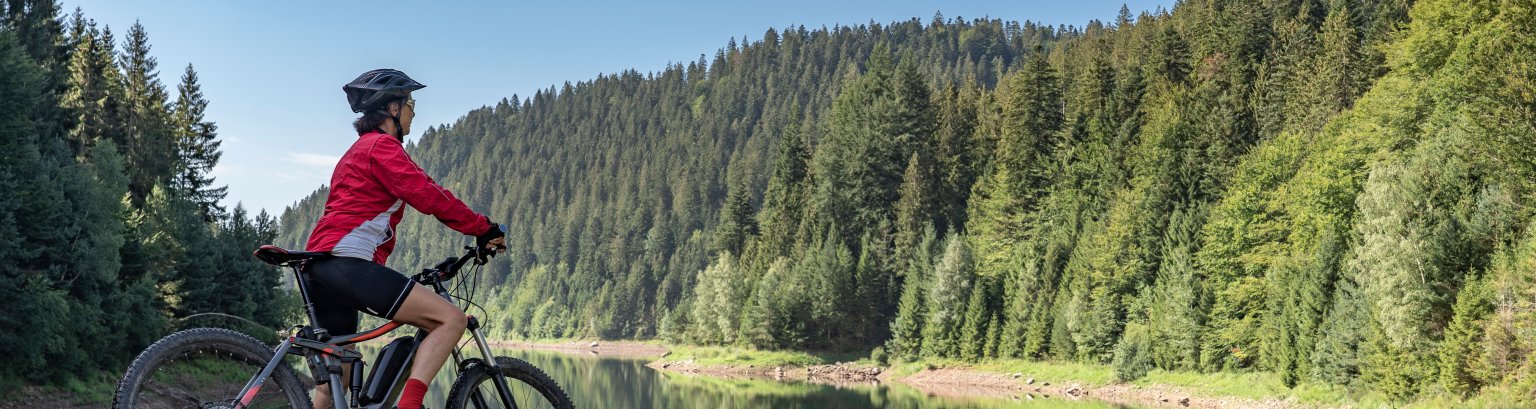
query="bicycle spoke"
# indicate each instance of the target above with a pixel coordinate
(524, 396)
(206, 379)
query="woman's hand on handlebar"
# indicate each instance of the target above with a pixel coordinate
(489, 243)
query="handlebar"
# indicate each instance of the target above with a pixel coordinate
(435, 276)
(450, 267)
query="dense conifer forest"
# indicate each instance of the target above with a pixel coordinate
(1333, 191)
(113, 232)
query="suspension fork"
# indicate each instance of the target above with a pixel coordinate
(485, 351)
(490, 359)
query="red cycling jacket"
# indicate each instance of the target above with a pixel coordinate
(371, 184)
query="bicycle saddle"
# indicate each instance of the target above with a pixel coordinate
(279, 256)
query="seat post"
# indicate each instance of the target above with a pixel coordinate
(309, 306)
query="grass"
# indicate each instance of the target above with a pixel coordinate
(1248, 385)
(94, 388)
(1258, 386)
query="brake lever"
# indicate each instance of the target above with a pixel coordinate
(484, 255)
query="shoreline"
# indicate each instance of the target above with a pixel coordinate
(957, 381)
(617, 349)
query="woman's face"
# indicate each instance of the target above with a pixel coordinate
(407, 113)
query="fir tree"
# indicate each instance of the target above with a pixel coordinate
(950, 286)
(149, 140)
(197, 149)
(738, 223)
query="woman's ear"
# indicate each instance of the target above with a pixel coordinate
(394, 109)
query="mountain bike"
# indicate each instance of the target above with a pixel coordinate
(214, 367)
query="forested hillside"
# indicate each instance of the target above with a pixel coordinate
(614, 187)
(1334, 191)
(113, 234)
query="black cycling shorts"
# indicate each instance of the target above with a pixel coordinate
(343, 286)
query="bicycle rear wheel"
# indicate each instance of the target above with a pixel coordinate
(530, 387)
(205, 368)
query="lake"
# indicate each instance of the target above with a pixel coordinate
(603, 382)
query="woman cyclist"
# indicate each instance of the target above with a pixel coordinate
(370, 187)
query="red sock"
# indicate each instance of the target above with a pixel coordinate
(414, 391)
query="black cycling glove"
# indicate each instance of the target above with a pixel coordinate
(484, 239)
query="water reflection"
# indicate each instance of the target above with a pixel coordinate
(626, 383)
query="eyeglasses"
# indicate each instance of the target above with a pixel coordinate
(411, 102)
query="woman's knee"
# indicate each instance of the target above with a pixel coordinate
(455, 321)
(439, 318)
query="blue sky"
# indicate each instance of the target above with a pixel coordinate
(272, 70)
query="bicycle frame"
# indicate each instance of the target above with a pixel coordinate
(327, 358)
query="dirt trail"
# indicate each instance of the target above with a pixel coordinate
(39, 397)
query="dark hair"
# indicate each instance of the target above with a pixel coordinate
(373, 119)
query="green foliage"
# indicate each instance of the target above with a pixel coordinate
(1133, 355)
(1336, 359)
(953, 277)
(197, 148)
(1175, 315)
(98, 261)
(1298, 191)
(1459, 352)
(150, 147)
(717, 302)
(912, 310)
(880, 119)
(1029, 109)
(738, 223)
(973, 337)
(778, 313)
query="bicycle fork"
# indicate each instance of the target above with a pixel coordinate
(490, 359)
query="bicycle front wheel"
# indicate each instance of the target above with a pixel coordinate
(530, 387)
(205, 368)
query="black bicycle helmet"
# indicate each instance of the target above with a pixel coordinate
(374, 88)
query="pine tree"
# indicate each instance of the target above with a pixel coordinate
(39, 30)
(874, 290)
(1175, 317)
(182, 254)
(738, 222)
(878, 121)
(23, 284)
(1030, 118)
(197, 149)
(996, 220)
(956, 155)
(784, 200)
(978, 315)
(149, 142)
(133, 311)
(907, 327)
(90, 96)
(913, 213)
(1460, 349)
(948, 291)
